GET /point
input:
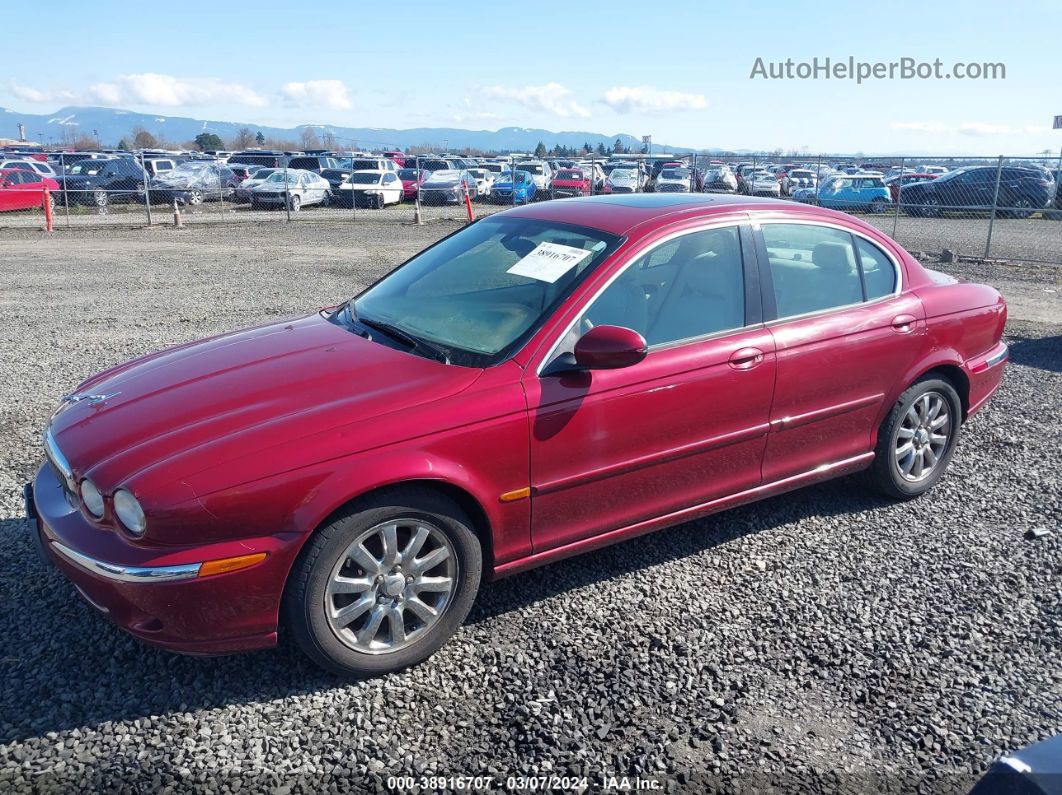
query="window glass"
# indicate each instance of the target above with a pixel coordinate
(879, 275)
(812, 268)
(688, 287)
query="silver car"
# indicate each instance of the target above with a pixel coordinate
(297, 187)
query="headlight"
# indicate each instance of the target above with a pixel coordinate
(129, 512)
(92, 498)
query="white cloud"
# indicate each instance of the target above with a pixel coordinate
(166, 90)
(649, 100)
(972, 128)
(30, 94)
(549, 98)
(330, 94)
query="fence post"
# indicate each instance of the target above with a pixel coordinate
(66, 194)
(416, 196)
(995, 203)
(512, 173)
(353, 204)
(147, 190)
(818, 178)
(287, 191)
(899, 198)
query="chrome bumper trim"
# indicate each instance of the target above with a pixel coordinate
(999, 357)
(112, 571)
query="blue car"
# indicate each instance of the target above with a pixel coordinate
(866, 192)
(502, 190)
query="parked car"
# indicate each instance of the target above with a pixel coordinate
(795, 179)
(513, 395)
(761, 183)
(243, 190)
(1022, 191)
(849, 192)
(507, 190)
(258, 157)
(242, 172)
(102, 182)
(484, 181)
(907, 178)
(624, 180)
(448, 187)
(570, 182)
(374, 189)
(412, 179)
(541, 174)
(720, 179)
(315, 163)
(673, 180)
(28, 164)
(23, 189)
(934, 170)
(156, 166)
(193, 183)
(373, 164)
(295, 187)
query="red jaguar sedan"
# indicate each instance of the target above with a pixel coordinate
(542, 382)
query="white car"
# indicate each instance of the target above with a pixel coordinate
(762, 183)
(933, 170)
(795, 179)
(541, 174)
(673, 180)
(29, 164)
(484, 180)
(371, 163)
(374, 188)
(243, 190)
(624, 180)
(303, 189)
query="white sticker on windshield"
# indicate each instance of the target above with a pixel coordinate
(549, 261)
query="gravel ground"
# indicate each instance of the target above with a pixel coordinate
(821, 641)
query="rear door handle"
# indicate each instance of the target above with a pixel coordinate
(746, 358)
(903, 324)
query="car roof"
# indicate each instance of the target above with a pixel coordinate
(618, 214)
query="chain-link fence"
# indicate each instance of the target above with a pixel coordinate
(1005, 207)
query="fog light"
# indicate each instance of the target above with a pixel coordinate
(129, 512)
(92, 498)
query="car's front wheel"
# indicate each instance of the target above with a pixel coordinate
(386, 584)
(917, 440)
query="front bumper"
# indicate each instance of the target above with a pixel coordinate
(154, 592)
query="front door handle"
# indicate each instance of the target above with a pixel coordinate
(746, 358)
(903, 324)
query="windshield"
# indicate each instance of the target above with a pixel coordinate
(359, 178)
(481, 292)
(622, 173)
(570, 174)
(278, 177)
(407, 173)
(87, 167)
(263, 173)
(800, 173)
(531, 168)
(507, 176)
(364, 165)
(674, 173)
(444, 176)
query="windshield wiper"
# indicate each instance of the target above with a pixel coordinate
(414, 343)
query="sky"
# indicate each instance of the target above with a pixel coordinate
(681, 72)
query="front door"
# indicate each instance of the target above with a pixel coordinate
(612, 448)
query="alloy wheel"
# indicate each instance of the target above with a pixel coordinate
(923, 436)
(391, 586)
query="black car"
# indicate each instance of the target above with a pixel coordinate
(102, 182)
(1022, 191)
(259, 157)
(335, 176)
(314, 163)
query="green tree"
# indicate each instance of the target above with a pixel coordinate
(123, 145)
(259, 138)
(540, 150)
(618, 148)
(207, 140)
(601, 149)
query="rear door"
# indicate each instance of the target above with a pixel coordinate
(844, 336)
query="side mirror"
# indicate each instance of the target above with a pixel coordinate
(610, 348)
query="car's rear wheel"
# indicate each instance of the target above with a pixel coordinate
(295, 202)
(917, 440)
(931, 207)
(879, 205)
(100, 198)
(386, 584)
(195, 197)
(1022, 208)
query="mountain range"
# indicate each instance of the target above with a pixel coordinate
(110, 125)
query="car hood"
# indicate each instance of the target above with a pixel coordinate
(192, 407)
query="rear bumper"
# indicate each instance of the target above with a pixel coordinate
(986, 374)
(155, 593)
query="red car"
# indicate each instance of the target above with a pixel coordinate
(570, 182)
(894, 183)
(24, 190)
(545, 381)
(411, 181)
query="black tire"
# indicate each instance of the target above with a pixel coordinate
(879, 205)
(884, 474)
(294, 203)
(195, 197)
(100, 198)
(304, 598)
